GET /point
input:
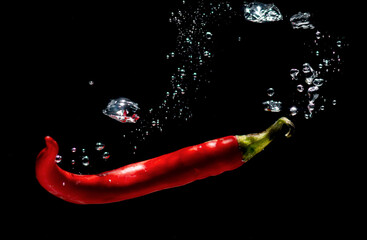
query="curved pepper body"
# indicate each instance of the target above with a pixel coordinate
(167, 171)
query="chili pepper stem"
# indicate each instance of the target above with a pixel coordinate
(251, 144)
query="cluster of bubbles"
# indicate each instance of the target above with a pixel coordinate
(193, 56)
(84, 158)
(312, 82)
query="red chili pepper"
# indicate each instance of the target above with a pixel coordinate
(167, 171)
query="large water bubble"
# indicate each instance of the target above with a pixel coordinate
(123, 110)
(261, 12)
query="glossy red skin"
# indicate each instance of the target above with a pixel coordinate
(167, 171)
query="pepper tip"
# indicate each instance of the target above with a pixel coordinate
(50, 142)
(289, 124)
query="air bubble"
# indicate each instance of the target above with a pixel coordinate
(339, 43)
(318, 82)
(293, 110)
(106, 155)
(58, 158)
(300, 88)
(270, 92)
(294, 73)
(272, 106)
(208, 35)
(123, 110)
(99, 146)
(85, 161)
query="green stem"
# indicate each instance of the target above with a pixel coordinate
(251, 144)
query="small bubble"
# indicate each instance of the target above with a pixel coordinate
(58, 158)
(85, 161)
(339, 43)
(300, 88)
(99, 146)
(312, 93)
(333, 102)
(73, 149)
(208, 35)
(318, 34)
(306, 68)
(293, 110)
(318, 82)
(270, 92)
(311, 106)
(106, 155)
(294, 73)
(91, 83)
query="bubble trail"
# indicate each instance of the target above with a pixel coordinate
(196, 25)
(315, 79)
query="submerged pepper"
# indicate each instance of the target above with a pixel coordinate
(167, 171)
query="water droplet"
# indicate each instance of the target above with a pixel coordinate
(293, 110)
(99, 146)
(300, 88)
(270, 92)
(58, 158)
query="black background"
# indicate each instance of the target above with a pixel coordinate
(292, 189)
